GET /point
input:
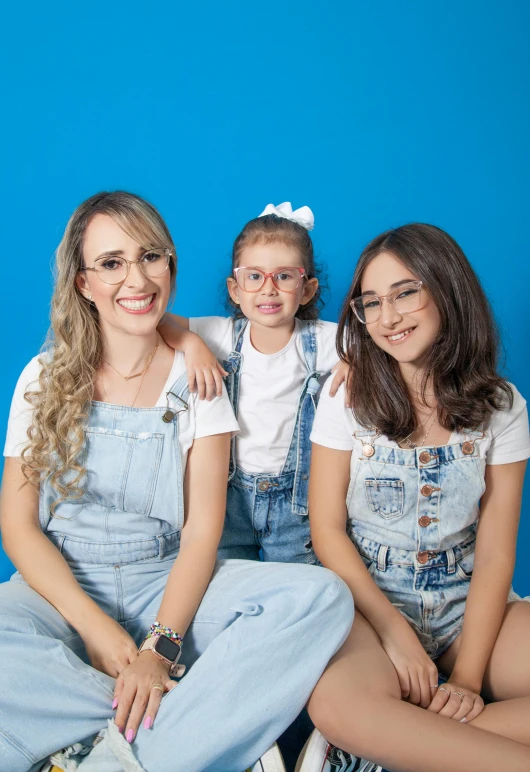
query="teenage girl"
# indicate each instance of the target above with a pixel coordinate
(274, 350)
(415, 501)
(112, 507)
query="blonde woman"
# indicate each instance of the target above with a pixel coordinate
(112, 508)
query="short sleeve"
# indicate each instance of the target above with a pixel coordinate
(21, 411)
(510, 439)
(215, 416)
(216, 332)
(327, 356)
(333, 424)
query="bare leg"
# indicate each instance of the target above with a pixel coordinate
(356, 705)
(507, 676)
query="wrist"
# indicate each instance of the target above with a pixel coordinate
(467, 679)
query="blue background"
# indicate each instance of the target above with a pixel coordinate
(374, 114)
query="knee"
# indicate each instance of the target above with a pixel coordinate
(337, 601)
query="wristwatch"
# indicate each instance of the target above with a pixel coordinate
(165, 649)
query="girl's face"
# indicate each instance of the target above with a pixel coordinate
(135, 305)
(271, 307)
(405, 336)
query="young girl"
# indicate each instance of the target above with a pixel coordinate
(115, 540)
(274, 350)
(415, 501)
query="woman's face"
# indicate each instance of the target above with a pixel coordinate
(405, 336)
(134, 306)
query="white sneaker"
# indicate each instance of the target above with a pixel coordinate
(319, 756)
(270, 762)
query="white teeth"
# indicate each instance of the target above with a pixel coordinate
(136, 305)
(400, 335)
(275, 306)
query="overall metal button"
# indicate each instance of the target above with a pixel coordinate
(425, 457)
(424, 521)
(422, 557)
(263, 485)
(468, 448)
(426, 490)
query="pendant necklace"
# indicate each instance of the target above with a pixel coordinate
(127, 378)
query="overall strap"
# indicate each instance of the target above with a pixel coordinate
(232, 365)
(299, 456)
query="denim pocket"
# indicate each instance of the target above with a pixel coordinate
(464, 566)
(385, 497)
(122, 468)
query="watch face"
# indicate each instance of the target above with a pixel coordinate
(167, 648)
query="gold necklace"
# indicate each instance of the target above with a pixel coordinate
(407, 441)
(151, 357)
(141, 372)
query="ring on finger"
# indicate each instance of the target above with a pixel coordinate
(434, 686)
(443, 689)
(157, 686)
(459, 694)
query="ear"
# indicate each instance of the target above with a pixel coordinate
(233, 289)
(310, 289)
(82, 285)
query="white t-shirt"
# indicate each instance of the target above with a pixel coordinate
(507, 437)
(202, 419)
(270, 388)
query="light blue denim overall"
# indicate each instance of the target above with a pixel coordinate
(251, 647)
(266, 515)
(413, 516)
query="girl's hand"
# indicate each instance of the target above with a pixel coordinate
(138, 693)
(456, 702)
(342, 373)
(109, 647)
(205, 374)
(417, 673)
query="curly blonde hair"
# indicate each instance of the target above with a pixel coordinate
(73, 349)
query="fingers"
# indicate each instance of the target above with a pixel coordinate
(476, 710)
(466, 706)
(404, 683)
(425, 681)
(207, 383)
(440, 699)
(452, 706)
(221, 370)
(155, 698)
(415, 689)
(338, 379)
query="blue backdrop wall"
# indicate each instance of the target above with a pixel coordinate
(374, 114)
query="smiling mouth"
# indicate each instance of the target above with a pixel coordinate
(136, 305)
(400, 335)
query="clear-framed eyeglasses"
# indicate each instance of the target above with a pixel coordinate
(285, 279)
(405, 299)
(113, 269)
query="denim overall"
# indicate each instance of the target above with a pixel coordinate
(120, 541)
(266, 515)
(412, 514)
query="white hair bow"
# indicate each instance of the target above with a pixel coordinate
(303, 216)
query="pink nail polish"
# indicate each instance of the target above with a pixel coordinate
(120, 729)
(115, 703)
(148, 723)
(130, 735)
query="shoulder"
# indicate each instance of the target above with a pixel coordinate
(326, 334)
(508, 431)
(28, 379)
(334, 424)
(216, 331)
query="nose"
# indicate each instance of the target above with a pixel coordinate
(136, 277)
(389, 315)
(268, 287)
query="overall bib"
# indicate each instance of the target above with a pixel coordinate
(252, 664)
(266, 515)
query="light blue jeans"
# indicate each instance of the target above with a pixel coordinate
(261, 638)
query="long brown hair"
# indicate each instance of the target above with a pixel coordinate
(73, 350)
(462, 361)
(271, 229)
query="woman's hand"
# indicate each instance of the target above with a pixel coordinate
(456, 702)
(342, 373)
(110, 648)
(205, 374)
(138, 693)
(417, 673)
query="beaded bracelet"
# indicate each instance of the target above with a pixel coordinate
(159, 629)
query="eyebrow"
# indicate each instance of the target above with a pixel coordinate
(392, 286)
(117, 252)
